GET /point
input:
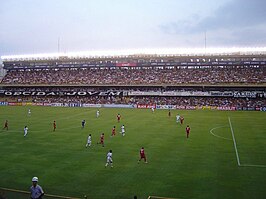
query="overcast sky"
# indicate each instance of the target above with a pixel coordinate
(34, 26)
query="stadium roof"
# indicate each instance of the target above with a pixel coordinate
(139, 53)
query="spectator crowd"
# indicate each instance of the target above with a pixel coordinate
(122, 76)
(147, 100)
(127, 77)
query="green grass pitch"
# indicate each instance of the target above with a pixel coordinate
(203, 166)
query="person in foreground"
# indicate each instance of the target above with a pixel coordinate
(36, 191)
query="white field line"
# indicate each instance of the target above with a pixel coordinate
(253, 165)
(211, 131)
(237, 156)
(234, 140)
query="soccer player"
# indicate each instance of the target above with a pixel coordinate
(25, 131)
(97, 113)
(54, 125)
(118, 117)
(177, 118)
(83, 122)
(169, 113)
(142, 155)
(109, 160)
(29, 112)
(152, 109)
(88, 141)
(113, 131)
(6, 125)
(182, 119)
(188, 130)
(101, 140)
(123, 131)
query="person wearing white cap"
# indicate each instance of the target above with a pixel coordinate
(36, 191)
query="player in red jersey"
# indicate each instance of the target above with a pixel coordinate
(142, 155)
(6, 125)
(182, 119)
(54, 124)
(188, 130)
(113, 131)
(118, 117)
(101, 140)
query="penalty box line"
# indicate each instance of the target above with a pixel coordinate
(234, 140)
(237, 155)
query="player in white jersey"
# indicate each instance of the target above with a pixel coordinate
(25, 131)
(123, 131)
(97, 113)
(88, 141)
(29, 112)
(109, 160)
(177, 118)
(152, 109)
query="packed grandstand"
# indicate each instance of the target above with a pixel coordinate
(233, 81)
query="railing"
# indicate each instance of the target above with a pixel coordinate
(20, 194)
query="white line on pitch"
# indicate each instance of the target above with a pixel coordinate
(234, 140)
(253, 165)
(211, 131)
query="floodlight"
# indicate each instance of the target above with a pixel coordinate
(142, 52)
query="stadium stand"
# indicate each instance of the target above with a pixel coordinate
(184, 81)
(120, 76)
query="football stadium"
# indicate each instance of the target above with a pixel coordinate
(63, 98)
(153, 99)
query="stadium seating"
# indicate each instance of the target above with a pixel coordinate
(135, 77)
